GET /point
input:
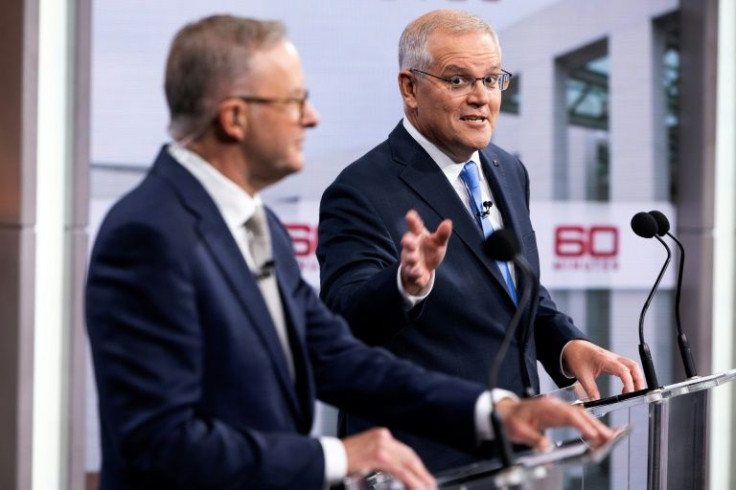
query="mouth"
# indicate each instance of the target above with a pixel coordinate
(474, 119)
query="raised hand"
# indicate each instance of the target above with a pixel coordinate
(422, 252)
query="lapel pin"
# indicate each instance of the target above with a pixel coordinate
(495, 162)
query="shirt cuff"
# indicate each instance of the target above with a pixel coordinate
(409, 300)
(336, 460)
(483, 406)
(562, 365)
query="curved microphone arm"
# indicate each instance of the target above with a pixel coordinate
(654, 289)
(644, 352)
(526, 294)
(679, 282)
(528, 389)
(506, 453)
(684, 346)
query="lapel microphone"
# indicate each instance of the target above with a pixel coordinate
(486, 209)
(266, 270)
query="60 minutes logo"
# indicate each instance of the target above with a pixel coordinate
(583, 247)
(576, 247)
(304, 240)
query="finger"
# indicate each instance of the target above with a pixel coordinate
(556, 413)
(414, 222)
(620, 370)
(521, 432)
(636, 375)
(409, 242)
(442, 234)
(587, 381)
(404, 464)
(592, 429)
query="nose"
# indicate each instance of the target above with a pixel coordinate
(478, 93)
(310, 118)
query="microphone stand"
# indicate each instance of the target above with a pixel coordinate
(528, 389)
(644, 353)
(507, 458)
(684, 346)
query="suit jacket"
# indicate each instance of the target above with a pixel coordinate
(193, 386)
(459, 327)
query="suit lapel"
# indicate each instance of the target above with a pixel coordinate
(225, 252)
(498, 180)
(425, 178)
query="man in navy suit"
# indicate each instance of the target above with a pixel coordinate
(436, 298)
(209, 348)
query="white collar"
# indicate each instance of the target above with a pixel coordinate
(235, 205)
(450, 168)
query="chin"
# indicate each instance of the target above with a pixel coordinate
(293, 167)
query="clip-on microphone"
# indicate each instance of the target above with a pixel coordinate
(486, 209)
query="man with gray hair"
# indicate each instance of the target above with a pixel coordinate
(209, 348)
(436, 298)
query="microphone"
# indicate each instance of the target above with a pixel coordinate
(645, 226)
(663, 228)
(486, 209)
(266, 270)
(507, 246)
(503, 245)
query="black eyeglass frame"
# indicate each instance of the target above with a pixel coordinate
(501, 86)
(300, 101)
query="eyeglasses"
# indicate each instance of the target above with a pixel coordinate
(300, 102)
(462, 85)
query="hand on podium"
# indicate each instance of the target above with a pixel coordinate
(586, 361)
(525, 421)
(377, 450)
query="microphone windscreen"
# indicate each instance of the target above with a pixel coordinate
(502, 245)
(663, 224)
(644, 225)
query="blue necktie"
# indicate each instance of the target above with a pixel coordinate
(471, 178)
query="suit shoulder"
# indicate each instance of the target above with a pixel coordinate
(152, 209)
(495, 151)
(151, 201)
(369, 165)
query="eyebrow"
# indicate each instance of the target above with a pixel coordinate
(462, 69)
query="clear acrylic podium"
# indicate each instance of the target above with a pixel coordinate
(652, 454)
(530, 470)
(669, 457)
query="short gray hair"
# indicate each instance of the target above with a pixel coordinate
(205, 59)
(413, 51)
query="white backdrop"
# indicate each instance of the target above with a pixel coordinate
(349, 50)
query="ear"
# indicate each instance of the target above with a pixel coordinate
(408, 88)
(232, 120)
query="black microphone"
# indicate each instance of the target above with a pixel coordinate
(645, 226)
(266, 270)
(663, 228)
(503, 245)
(486, 209)
(508, 246)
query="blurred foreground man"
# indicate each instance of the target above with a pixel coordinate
(436, 298)
(209, 349)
